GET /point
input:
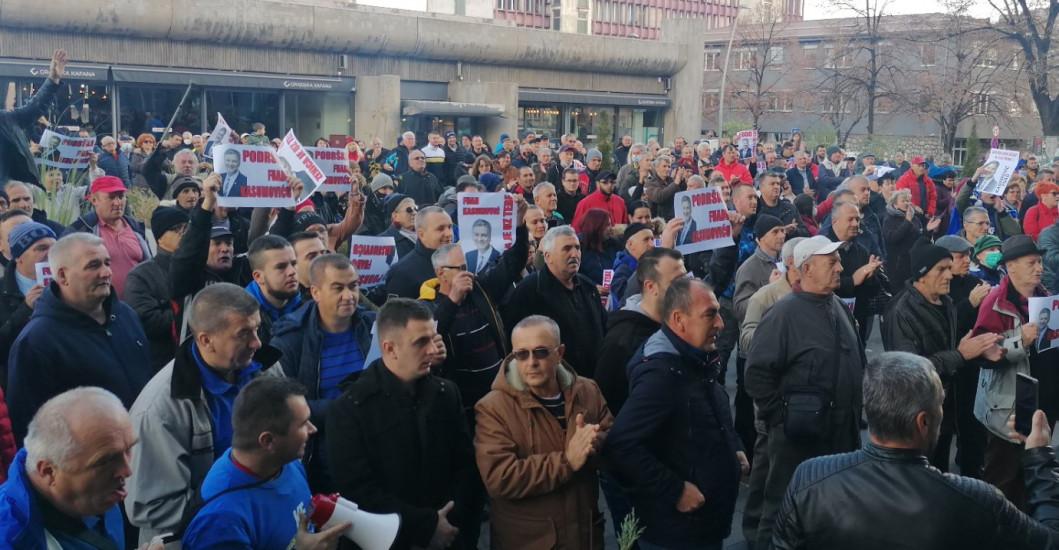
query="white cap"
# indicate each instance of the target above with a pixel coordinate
(815, 246)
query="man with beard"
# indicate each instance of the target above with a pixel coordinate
(563, 294)
(275, 284)
(605, 199)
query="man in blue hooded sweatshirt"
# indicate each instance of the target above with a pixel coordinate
(275, 284)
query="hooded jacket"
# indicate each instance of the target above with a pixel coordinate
(920, 187)
(22, 521)
(676, 426)
(539, 502)
(627, 330)
(172, 419)
(62, 348)
(995, 399)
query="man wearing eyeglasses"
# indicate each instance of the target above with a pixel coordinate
(419, 183)
(673, 441)
(537, 433)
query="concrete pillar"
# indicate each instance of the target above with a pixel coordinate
(684, 117)
(377, 108)
(497, 93)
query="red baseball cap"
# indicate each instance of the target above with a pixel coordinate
(918, 160)
(107, 184)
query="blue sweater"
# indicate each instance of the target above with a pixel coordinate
(261, 517)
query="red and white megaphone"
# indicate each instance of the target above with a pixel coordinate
(369, 531)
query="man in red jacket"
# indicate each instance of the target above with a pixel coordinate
(915, 179)
(730, 167)
(603, 198)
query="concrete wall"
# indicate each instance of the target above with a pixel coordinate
(503, 93)
(377, 107)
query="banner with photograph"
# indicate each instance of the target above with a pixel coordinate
(297, 162)
(1045, 312)
(251, 175)
(334, 161)
(487, 226)
(65, 152)
(372, 257)
(706, 224)
(997, 171)
(746, 142)
(43, 273)
(222, 133)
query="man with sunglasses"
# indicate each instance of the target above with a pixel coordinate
(673, 441)
(536, 436)
(419, 183)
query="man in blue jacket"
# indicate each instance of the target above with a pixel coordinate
(113, 161)
(673, 443)
(324, 345)
(63, 495)
(80, 334)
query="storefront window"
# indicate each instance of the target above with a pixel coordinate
(77, 104)
(147, 109)
(540, 119)
(585, 122)
(422, 125)
(241, 109)
(641, 124)
(316, 115)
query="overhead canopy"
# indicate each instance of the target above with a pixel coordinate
(593, 98)
(232, 79)
(412, 107)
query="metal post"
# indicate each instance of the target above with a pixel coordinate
(724, 74)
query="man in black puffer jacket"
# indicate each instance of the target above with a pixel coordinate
(922, 320)
(887, 495)
(673, 443)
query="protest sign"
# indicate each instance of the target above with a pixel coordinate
(251, 175)
(1045, 312)
(487, 226)
(880, 171)
(43, 273)
(746, 142)
(297, 162)
(66, 152)
(222, 133)
(997, 171)
(334, 161)
(706, 224)
(608, 277)
(372, 258)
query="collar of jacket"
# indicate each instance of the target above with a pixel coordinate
(916, 296)
(762, 255)
(546, 282)
(8, 285)
(187, 380)
(684, 349)
(890, 454)
(51, 304)
(509, 381)
(665, 343)
(377, 379)
(1003, 305)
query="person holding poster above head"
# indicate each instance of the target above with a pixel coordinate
(483, 253)
(233, 180)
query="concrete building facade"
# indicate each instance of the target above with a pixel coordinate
(330, 70)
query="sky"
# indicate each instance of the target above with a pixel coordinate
(814, 9)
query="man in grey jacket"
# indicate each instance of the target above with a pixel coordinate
(182, 418)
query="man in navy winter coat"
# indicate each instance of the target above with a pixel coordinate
(80, 334)
(673, 443)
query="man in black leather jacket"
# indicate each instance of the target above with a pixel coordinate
(887, 495)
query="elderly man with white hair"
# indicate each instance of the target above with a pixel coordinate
(113, 161)
(80, 334)
(563, 294)
(185, 164)
(65, 485)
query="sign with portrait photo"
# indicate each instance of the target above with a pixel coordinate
(487, 226)
(251, 175)
(997, 171)
(706, 224)
(1045, 313)
(65, 152)
(334, 161)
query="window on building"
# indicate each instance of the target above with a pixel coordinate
(1014, 108)
(713, 60)
(582, 26)
(144, 108)
(243, 108)
(884, 105)
(835, 58)
(988, 56)
(710, 99)
(744, 60)
(775, 56)
(959, 151)
(928, 54)
(981, 104)
(810, 55)
(556, 19)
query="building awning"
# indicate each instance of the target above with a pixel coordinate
(593, 98)
(38, 70)
(412, 107)
(233, 79)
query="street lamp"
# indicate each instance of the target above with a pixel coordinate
(724, 70)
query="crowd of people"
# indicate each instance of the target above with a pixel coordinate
(198, 374)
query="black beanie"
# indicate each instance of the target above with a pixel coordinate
(925, 255)
(765, 223)
(633, 229)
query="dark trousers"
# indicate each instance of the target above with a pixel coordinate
(744, 411)
(728, 337)
(784, 456)
(755, 495)
(970, 434)
(1003, 469)
(470, 502)
(940, 458)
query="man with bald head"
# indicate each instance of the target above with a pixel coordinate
(80, 334)
(65, 485)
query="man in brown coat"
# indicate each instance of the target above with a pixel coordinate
(537, 431)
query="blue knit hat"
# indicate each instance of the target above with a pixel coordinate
(490, 181)
(23, 236)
